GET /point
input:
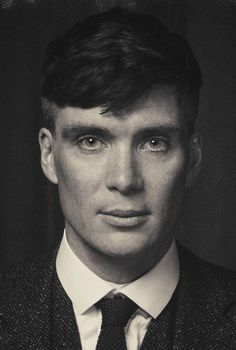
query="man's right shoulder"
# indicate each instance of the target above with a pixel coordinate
(25, 302)
(20, 282)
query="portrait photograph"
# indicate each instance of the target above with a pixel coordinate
(118, 174)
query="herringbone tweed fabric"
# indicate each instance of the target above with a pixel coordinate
(36, 314)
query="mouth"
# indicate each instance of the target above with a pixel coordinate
(125, 218)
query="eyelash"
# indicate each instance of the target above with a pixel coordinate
(103, 144)
(159, 140)
(86, 138)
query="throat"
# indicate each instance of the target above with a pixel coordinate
(118, 269)
(119, 265)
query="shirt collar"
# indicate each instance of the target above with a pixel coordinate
(151, 292)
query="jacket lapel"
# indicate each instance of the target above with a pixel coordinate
(65, 333)
(160, 331)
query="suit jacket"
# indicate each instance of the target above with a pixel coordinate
(36, 314)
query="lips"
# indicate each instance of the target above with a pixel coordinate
(126, 213)
(124, 218)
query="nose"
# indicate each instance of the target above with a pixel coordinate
(124, 173)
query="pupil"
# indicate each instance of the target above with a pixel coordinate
(91, 140)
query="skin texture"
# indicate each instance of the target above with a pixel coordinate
(121, 182)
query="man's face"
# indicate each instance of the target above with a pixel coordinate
(121, 180)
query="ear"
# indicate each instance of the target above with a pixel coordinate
(46, 142)
(195, 158)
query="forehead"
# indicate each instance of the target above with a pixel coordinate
(159, 109)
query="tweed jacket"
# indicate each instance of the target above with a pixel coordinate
(36, 314)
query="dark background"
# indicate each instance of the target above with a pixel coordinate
(31, 221)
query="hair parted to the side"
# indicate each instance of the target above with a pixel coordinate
(112, 60)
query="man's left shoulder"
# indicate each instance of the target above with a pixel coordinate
(213, 286)
(206, 273)
(206, 304)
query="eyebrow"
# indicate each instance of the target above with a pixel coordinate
(72, 131)
(161, 129)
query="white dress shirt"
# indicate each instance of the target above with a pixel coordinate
(151, 292)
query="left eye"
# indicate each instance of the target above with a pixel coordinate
(90, 143)
(155, 144)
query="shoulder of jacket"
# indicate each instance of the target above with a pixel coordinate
(206, 273)
(20, 282)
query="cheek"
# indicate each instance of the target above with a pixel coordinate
(175, 176)
(77, 181)
(166, 181)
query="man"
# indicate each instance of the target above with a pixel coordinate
(120, 98)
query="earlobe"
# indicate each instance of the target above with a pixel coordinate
(195, 158)
(46, 142)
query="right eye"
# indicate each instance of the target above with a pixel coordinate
(90, 143)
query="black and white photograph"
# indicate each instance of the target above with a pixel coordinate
(118, 174)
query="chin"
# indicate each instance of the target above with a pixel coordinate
(127, 247)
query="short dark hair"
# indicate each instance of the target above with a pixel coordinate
(113, 59)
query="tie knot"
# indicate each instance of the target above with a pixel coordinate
(116, 312)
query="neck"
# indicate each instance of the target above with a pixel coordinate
(120, 269)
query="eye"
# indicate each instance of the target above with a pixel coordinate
(90, 143)
(155, 144)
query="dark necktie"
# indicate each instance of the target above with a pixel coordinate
(115, 315)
